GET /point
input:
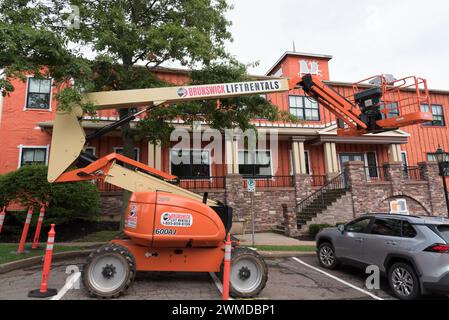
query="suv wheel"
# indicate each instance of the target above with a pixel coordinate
(326, 256)
(403, 281)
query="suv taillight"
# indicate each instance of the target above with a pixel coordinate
(439, 248)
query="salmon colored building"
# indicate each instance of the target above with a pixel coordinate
(308, 154)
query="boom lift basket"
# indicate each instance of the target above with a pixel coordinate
(397, 103)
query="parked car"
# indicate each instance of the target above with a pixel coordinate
(412, 252)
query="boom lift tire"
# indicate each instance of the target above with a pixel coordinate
(249, 273)
(109, 271)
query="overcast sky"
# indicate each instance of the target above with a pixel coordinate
(401, 37)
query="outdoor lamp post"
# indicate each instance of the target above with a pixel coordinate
(441, 157)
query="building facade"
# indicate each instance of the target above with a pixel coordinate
(352, 175)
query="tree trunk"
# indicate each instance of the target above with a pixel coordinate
(128, 151)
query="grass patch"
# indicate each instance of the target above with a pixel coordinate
(287, 248)
(8, 251)
(99, 236)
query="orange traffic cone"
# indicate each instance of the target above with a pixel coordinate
(38, 227)
(26, 226)
(227, 268)
(2, 218)
(44, 291)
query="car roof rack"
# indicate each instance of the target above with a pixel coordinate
(394, 215)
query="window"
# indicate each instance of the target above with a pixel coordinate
(438, 115)
(404, 163)
(255, 163)
(305, 108)
(387, 227)
(358, 226)
(372, 165)
(443, 230)
(120, 151)
(136, 152)
(407, 230)
(38, 93)
(190, 163)
(33, 155)
(90, 151)
(306, 157)
(393, 110)
(433, 157)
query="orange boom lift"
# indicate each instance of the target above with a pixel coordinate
(168, 228)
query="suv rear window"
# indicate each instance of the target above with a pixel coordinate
(393, 228)
(387, 227)
(444, 231)
(407, 230)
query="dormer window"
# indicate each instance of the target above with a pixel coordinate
(306, 67)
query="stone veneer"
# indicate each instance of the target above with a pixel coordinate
(275, 206)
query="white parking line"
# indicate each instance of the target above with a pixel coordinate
(218, 283)
(338, 279)
(69, 283)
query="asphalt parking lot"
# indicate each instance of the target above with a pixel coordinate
(298, 278)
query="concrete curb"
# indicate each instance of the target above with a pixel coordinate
(284, 254)
(29, 262)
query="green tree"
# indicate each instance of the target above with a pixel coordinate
(116, 46)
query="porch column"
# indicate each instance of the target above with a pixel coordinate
(394, 153)
(235, 155)
(330, 158)
(151, 155)
(229, 152)
(299, 160)
(155, 156)
(158, 157)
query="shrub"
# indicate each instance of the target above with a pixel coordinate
(66, 201)
(315, 228)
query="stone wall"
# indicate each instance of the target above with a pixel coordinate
(111, 205)
(266, 203)
(111, 202)
(424, 197)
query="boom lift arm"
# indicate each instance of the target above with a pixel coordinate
(368, 112)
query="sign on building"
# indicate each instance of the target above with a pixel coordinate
(251, 185)
(399, 206)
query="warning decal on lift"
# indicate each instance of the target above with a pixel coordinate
(131, 221)
(173, 219)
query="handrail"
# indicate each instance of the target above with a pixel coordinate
(338, 183)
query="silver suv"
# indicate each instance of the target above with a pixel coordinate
(413, 252)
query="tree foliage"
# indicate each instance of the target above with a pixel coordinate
(65, 202)
(219, 114)
(116, 46)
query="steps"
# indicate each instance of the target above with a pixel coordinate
(279, 229)
(322, 200)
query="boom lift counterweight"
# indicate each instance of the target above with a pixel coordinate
(168, 228)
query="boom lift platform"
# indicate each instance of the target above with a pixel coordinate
(168, 228)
